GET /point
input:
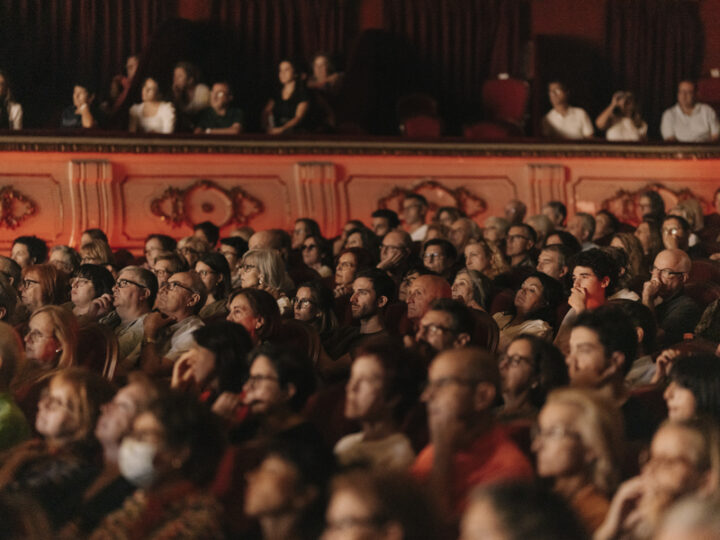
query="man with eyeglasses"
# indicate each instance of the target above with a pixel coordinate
(519, 244)
(439, 256)
(676, 313)
(467, 448)
(448, 324)
(167, 331)
(395, 252)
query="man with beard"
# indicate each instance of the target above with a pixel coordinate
(448, 324)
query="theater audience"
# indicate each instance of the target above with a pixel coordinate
(265, 269)
(316, 255)
(214, 272)
(473, 289)
(64, 258)
(564, 121)
(414, 211)
(395, 254)
(190, 96)
(42, 285)
(447, 324)
(313, 303)
(688, 120)
(519, 247)
(384, 221)
(621, 120)
(27, 250)
(350, 261)
(220, 118)
(582, 227)
(256, 311)
(440, 256)
(556, 211)
(423, 291)
(166, 264)
(288, 109)
(486, 258)
(233, 248)
(463, 231)
(191, 248)
(83, 113)
(153, 115)
(694, 389)
(91, 291)
(155, 244)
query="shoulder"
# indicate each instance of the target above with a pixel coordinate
(135, 109)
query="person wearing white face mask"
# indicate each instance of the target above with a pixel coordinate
(170, 454)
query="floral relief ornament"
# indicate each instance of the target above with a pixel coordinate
(14, 207)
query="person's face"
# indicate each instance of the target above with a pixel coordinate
(176, 294)
(31, 291)
(82, 291)
(117, 415)
(150, 91)
(549, 264)
(153, 247)
(391, 245)
(517, 367)
(3, 86)
(241, 312)
(271, 487)
(686, 95)
(405, 285)
(210, 278)
(231, 256)
(131, 66)
(310, 251)
(557, 94)
(435, 330)
(644, 207)
(602, 225)
(680, 402)
(445, 218)
(130, 296)
(364, 392)
(575, 227)
(162, 270)
(480, 522)
(220, 97)
(286, 73)
(530, 296)
(81, 96)
(434, 259)
(476, 258)
(462, 288)
(673, 235)
(585, 278)
(345, 269)
(320, 68)
(349, 517)
(305, 307)
(558, 445)
(518, 242)
(262, 389)
(41, 345)
(189, 253)
(180, 79)
(413, 211)
(420, 295)
(354, 240)
(588, 364)
(642, 233)
(492, 232)
(201, 362)
(669, 272)
(363, 302)
(449, 391)
(61, 261)
(672, 468)
(21, 255)
(552, 215)
(300, 232)
(459, 234)
(58, 417)
(617, 243)
(380, 226)
(249, 273)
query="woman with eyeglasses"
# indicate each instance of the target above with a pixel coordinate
(265, 269)
(91, 291)
(214, 271)
(42, 285)
(313, 304)
(578, 445)
(316, 255)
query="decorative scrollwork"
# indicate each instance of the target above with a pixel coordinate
(437, 196)
(206, 201)
(14, 207)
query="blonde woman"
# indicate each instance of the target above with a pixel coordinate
(265, 269)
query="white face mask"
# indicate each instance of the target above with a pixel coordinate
(135, 460)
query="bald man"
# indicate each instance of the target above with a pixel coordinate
(423, 291)
(676, 313)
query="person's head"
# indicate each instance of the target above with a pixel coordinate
(643, 321)
(650, 237)
(96, 252)
(446, 215)
(558, 93)
(314, 303)
(322, 66)
(629, 243)
(64, 258)
(366, 505)
(175, 437)
(304, 227)
(515, 511)
(263, 267)
(191, 248)
(384, 221)
(281, 379)
(208, 232)
(595, 272)
(88, 235)
(686, 94)
(373, 290)
(117, 415)
(579, 433)
(694, 388)
(131, 65)
(5, 94)
(423, 291)
(582, 227)
(52, 337)
(8, 300)
(515, 211)
(168, 263)
(233, 248)
(396, 244)
(28, 250)
(413, 271)
(532, 365)
(463, 231)
(185, 76)
(447, 324)
(563, 238)
(553, 261)
(478, 256)
(556, 211)
(472, 288)
(42, 285)
(675, 233)
(692, 518)
(603, 344)
(83, 94)
(521, 239)
(542, 226)
(650, 204)
(89, 282)
(182, 295)
(287, 72)
(276, 239)
(414, 209)
(156, 244)
(256, 311)
(151, 90)
(362, 237)
(11, 270)
(538, 298)
(439, 255)
(214, 271)
(12, 355)
(135, 290)
(349, 262)
(691, 210)
(495, 229)
(672, 269)
(70, 406)
(315, 250)
(221, 95)
(606, 223)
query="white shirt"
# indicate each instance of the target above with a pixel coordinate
(626, 130)
(575, 124)
(200, 100)
(419, 234)
(162, 122)
(177, 338)
(699, 126)
(15, 115)
(393, 452)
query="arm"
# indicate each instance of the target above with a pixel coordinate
(267, 114)
(300, 113)
(151, 361)
(604, 120)
(133, 123)
(666, 126)
(16, 116)
(714, 126)
(587, 130)
(168, 117)
(86, 116)
(232, 130)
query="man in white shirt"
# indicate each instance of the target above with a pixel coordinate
(688, 121)
(414, 210)
(564, 121)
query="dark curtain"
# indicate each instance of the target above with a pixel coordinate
(653, 44)
(46, 45)
(461, 43)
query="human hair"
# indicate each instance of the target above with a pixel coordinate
(588, 223)
(656, 242)
(475, 231)
(416, 196)
(700, 373)
(198, 287)
(684, 225)
(324, 249)
(528, 230)
(460, 314)
(657, 204)
(291, 366)
(96, 234)
(189, 424)
(448, 249)
(614, 330)
(97, 249)
(194, 243)
(692, 211)
(600, 262)
(192, 71)
(634, 250)
(694, 514)
(563, 252)
(210, 230)
(65, 331)
(641, 317)
(151, 390)
(328, 60)
(8, 298)
(370, 241)
(552, 295)
(567, 240)
(612, 218)
(558, 209)
(53, 283)
(482, 287)
(454, 211)
(230, 343)
(218, 263)
(101, 278)
(177, 262)
(391, 216)
(270, 267)
(69, 253)
(146, 278)
(7, 98)
(324, 301)
(312, 226)
(37, 248)
(264, 305)
(363, 258)
(541, 224)
(12, 354)
(600, 428)
(168, 243)
(11, 269)
(383, 285)
(620, 257)
(549, 367)
(239, 244)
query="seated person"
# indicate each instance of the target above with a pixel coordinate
(91, 291)
(324, 77)
(564, 121)
(689, 121)
(152, 115)
(13, 425)
(286, 111)
(28, 250)
(11, 113)
(82, 113)
(190, 96)
(621, 119)
(219, 118)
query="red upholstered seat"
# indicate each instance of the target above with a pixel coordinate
(703, 292)
(705, 270)
(491, 130)
(421, 126)
(708, 91)
(506, 100)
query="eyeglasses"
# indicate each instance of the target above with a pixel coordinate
(514, 360)
(78, 282)
(37, 335)
(206, 273)
(173, 285)
(163, 273)
(302, 303)
(666, 273)
(674, 231)
(122, 283)
(441, 382)
(432, 256)
(433, 329)
(253, 380)
(26, 283)
(554, 432)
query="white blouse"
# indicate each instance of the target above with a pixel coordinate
(162, 122)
